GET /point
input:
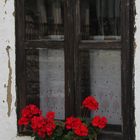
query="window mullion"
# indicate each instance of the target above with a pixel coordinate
(69, 56)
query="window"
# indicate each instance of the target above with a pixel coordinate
(69, 49)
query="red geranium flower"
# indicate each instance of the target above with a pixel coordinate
(50, 127)
(50, 115)
(27, 114)
(76, 123)
(73, 123)
(34, 110)
(69, 122)
(46, 127)
(37, 123)
(82, 130)
(99, 122)
(43, 126)
(90, 103)
(23, 121)
(30, 111)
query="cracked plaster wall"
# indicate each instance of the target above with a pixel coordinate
(8, 125)
(137, 71)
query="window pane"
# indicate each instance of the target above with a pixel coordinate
(100, 19)
(100, 76)
(44, 19)
(45, 79)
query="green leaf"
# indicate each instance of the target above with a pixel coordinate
(37, 137)
(60, 123)
(58, 131)
(69, 136)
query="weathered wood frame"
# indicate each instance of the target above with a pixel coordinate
(72, 45)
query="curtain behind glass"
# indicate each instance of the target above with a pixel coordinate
(108, 9)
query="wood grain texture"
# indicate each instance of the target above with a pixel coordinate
(72, 46)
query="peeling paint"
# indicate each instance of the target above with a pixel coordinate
(16, 103)
(5, 1)
(7, 41)
(9, 84)
(135, 45)
(13, 13)
(5, 86)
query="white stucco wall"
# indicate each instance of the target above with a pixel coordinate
(8, 125)
(137, 71)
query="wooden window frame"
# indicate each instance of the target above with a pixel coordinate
(72, 41)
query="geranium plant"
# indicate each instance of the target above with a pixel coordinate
(73, 128)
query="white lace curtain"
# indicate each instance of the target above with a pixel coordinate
(108, 8)
(55, 13)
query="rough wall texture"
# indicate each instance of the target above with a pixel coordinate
(8, 125)
(137, 71)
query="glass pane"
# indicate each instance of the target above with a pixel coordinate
(44, 19)
(45, 79)
(100, 76)
(100, 19)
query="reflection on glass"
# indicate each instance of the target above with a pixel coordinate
(100, 76)
(44, 19)
(45, 80)
(100, 19)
